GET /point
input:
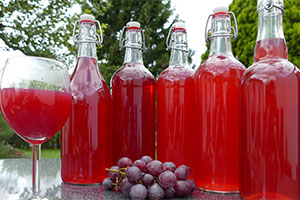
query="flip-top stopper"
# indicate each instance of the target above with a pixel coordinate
(87, 17)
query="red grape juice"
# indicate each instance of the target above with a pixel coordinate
(175, 116)
(270, 141)
(86, 135)
(217, 83)
(133, 93)
(36, 115)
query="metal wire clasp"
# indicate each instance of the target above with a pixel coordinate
(168, 37)
(269, 6)
(99, 40)
(235, 30)
(168, 43)
(122, 41)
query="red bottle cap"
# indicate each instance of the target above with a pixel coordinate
(178, 26)
(87, 18)
(220, 11)
(133, 25)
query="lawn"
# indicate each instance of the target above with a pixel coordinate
(46, 153)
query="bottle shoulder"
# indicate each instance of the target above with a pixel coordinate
(86, 67)
(219, 61)
(176, 73)
(220, 65)
(133, 71)
(86, 78)
(271, 69)
(91, 95)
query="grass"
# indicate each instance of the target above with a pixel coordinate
(46, 153)
(7, 151)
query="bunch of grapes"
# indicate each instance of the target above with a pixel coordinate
(149, 178)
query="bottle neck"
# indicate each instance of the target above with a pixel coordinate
(178, 46)
(87, 32)
(220, 45)
(133, 56)
(221, 41)
(133, 45)
(270, 37)
(178, 58)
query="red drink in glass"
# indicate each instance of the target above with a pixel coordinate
(175, 116)
(36, 102)
(271, 125)
(133, 93)
(85, 151)
(35, 114)
(217, 83)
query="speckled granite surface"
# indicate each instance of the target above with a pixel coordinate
(15, 183)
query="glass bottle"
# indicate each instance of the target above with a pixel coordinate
(133, 93)
(175, 104)
(85, 138)
(270, 99)
(217, 83)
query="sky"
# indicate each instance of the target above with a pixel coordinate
(193, 12)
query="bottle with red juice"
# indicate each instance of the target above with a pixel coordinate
(217, 83)
(175, 104)
(270, 110)
(86, 136)
(133, 94)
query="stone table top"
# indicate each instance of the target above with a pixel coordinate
(15, 183)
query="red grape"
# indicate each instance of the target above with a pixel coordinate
(155, 192)
(114, 175)
(169, 193)
(170, 166)
(182, 172)
(124, 162)
(140, 164)
(146, 159)
(163, 180)
(138, 192)
(191, 184)
(133, 174)
(148, 179)
(182, 188)
(155, 167)
(167, 179)
(107, 184)
(125, 186)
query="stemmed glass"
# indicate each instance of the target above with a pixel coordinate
(35, 102)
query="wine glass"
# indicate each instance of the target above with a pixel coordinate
(35, 101)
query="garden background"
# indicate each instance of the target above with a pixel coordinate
(44, 28)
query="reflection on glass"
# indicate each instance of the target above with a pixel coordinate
(15, 178)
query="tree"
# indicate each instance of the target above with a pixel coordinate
(44, 28)
(37, 28)
(153, 17)
(291, 24)
(247, 18)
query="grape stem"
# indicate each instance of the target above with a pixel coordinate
(123, 169)
(114, 170)
(117, 182)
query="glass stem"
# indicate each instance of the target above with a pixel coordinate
(36, 156)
